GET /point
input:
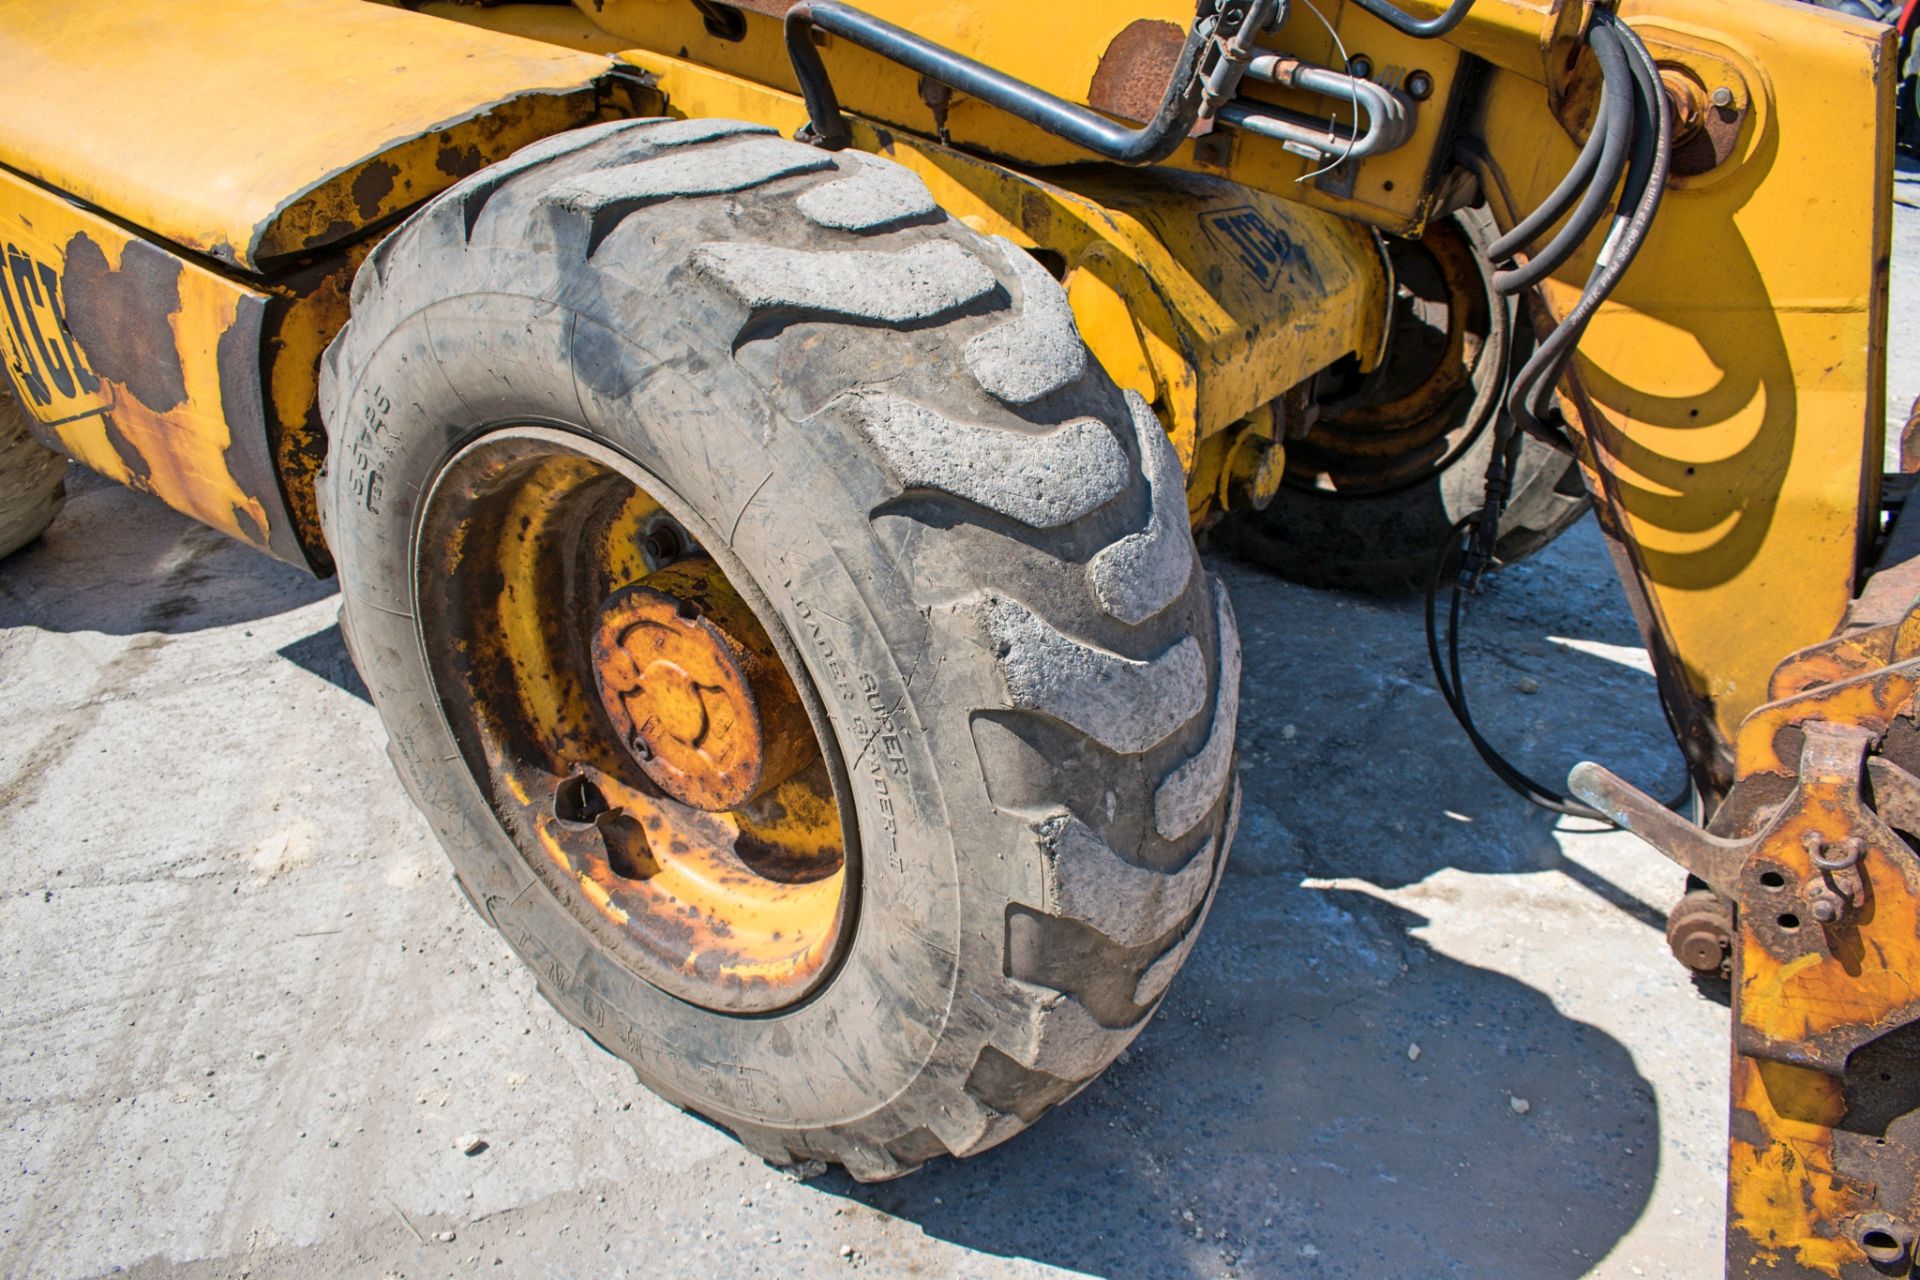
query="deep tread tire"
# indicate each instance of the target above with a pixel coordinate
(32, 479)
(977, 540)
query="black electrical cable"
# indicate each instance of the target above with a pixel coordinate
(1447, 676)
(1649, 133)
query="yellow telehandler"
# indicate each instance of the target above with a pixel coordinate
(761, 447)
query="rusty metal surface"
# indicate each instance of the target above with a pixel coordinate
(1813, 848)
(1446, 355)
(315, 120)
(145, 366)
(1136, 69)
(691, 684)
(1700, 933)
(544, 575)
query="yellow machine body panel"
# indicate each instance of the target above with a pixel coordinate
(140, 364)
(1118, 59)
(255, 132)
(1733, 386)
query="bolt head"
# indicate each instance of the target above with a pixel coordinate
(1419, 86)
(1723, 97)
(1825, 910)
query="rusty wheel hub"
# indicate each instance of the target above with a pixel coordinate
(692, 686)
(636, 726)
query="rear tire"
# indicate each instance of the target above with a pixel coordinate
(1906, 100)
(32, 479)
(887, 431)
(1379, 526)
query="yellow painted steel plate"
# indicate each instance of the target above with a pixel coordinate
(313, 120)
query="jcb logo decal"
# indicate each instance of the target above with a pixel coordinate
(1266, 251)
(53, 380)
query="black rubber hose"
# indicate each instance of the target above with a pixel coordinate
(1572, 183)
(1616, 132)
(1646, 179)
(1447, 674)
(1427, 29)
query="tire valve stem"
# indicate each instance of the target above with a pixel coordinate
(939, 98)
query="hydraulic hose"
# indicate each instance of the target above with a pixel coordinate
(1648, 129)
(1639, 200)
(1614, 129)
(1171, 123)
(1404, 22)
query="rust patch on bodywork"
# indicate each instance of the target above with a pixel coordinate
(1134, 72)
(371, 187)
(121, 318)
(142, 365)
(303, 130)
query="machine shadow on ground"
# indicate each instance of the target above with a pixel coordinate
(120, 563)
(1271, 1122)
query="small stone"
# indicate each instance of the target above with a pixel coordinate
(1308, 1251)
(1413, 1053)
(1186, 1215)
(1288, 732)
(846, 1251)
(259, 1055)
(1520, 1105)
(471, 1144)
(444, 1237)
(1529, 685)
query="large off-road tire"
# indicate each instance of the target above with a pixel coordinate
(32, 479)
(1370, 496)
(974, 550)
(1906, 98)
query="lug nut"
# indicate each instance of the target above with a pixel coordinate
(1723, 97)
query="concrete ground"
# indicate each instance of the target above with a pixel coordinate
(248, 1018)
